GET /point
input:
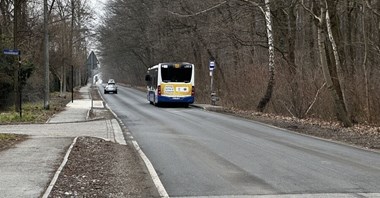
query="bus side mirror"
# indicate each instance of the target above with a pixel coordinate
(148, 78)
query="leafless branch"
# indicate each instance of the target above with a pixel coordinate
(198, 13)
(310, 11)
(370, 7)
(288, 109)
(315, 98)
(255, 4)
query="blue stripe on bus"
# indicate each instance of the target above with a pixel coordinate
(189, 99)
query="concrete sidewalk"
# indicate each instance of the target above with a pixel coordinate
(28, 168)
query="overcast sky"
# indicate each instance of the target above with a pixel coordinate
(98, 7)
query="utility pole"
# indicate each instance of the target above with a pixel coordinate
(46, 57)
(16, 40)
(71, 39)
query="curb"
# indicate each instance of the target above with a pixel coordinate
(152, 172)
(56, 175)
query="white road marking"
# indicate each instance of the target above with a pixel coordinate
(320, 195)
(152, 172)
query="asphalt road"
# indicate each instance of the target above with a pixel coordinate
(202, 153)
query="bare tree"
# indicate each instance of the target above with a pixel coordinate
(46, 57)
(268, 94)
(324, 23)
(136, 34)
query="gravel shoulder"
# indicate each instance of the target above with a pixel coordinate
(99, 168)
(362, 136)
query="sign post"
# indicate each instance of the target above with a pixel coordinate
(16, 52)
(72, 83)
(212, 67)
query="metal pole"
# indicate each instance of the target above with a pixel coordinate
(212, 67)
(72, 83)
(92, 100)
(19, 81)
(212, 88)
(16, 40)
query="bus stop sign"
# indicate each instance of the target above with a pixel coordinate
(11, 52)
(212, 65)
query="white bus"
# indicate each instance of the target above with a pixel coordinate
(170, 83)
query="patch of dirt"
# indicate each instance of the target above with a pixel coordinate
(99, 168)
(95, 93)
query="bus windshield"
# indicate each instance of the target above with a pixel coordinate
(176, 73)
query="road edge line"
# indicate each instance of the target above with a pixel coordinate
(55, 178)
(152, 171)
(153, 174)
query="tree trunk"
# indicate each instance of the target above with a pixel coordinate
(46, 57)
(339, 103)
(365, 69)
(335, 27)
(268, 94)
(296, 97)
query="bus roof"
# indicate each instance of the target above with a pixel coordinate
(169, 63)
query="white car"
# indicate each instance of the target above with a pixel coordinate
(110, 87)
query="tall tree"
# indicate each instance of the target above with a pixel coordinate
(324, 24)
(268, 94)
(136, 34)
(46, 57)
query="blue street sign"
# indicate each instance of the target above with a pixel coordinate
(212, 65)
(14, 52)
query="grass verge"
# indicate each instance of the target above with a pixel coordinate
(34, 112)
(8, 140)
(31, 113)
